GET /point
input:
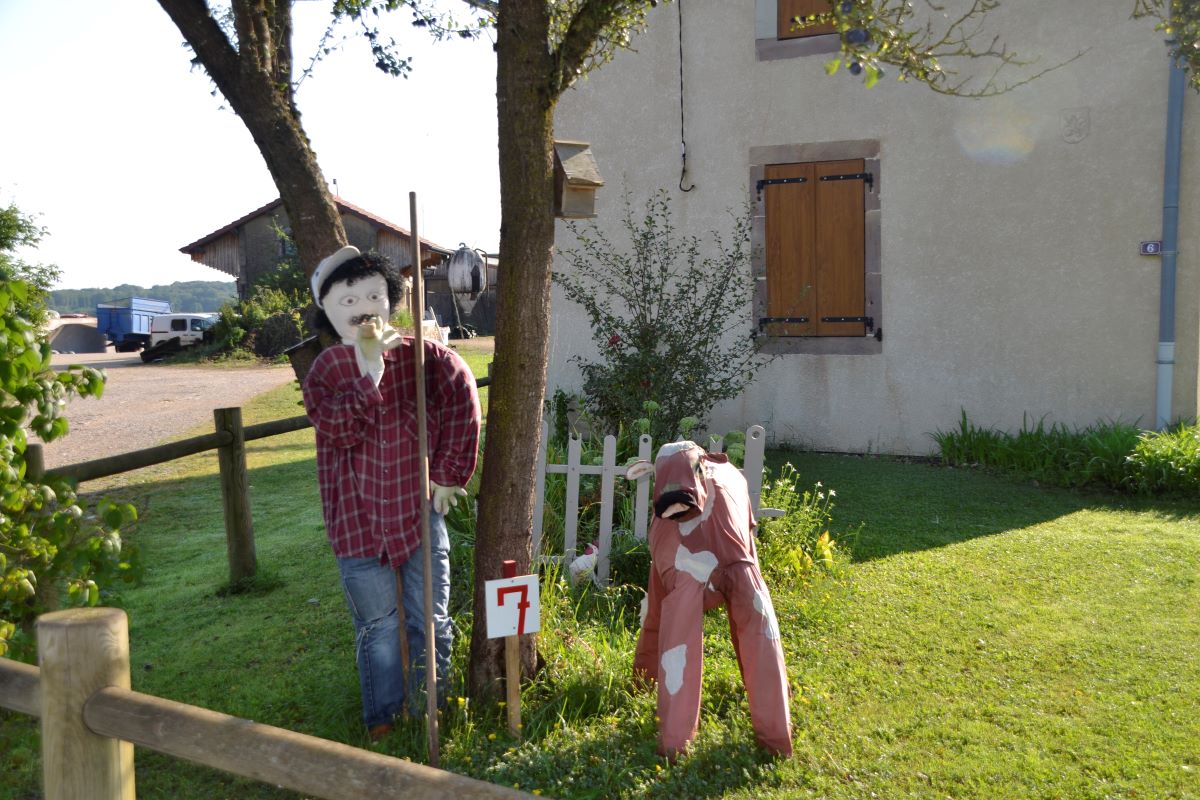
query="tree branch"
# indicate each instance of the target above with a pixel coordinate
(212, 47)
(590, 35)
(490, 6)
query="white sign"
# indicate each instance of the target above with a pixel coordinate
(512, 606)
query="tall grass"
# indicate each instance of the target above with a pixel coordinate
(1109, 455)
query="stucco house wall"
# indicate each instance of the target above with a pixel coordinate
(1009, 281)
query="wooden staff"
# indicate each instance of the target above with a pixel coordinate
(418, 307)
(512, 664)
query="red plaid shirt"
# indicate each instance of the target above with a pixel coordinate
(367, 444)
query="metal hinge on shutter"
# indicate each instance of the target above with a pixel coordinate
(765, 321)
(868, 321)
(865, 177)
(776, 182)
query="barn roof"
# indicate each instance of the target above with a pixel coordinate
(343, 208)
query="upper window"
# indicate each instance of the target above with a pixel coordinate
(179, 324)
(775, 39)
(817, 244)
(790, 9)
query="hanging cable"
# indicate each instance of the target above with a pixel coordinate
(682, 140)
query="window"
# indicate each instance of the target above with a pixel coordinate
(179, 324)
(817, 248)
(775, 39)
(790, 9)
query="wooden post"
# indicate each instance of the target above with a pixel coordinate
(235, 495)
(512, 666)
(81, 651)
(431, 676)
(35, 463)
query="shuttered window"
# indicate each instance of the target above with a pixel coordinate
(790, 9)
(815, 248)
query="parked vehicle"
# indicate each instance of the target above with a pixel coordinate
(126, 323)
(190, 329)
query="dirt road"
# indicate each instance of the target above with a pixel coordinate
(146, 404)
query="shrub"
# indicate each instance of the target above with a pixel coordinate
(668, 317)
(1167, 461)
(50, 550)
(792, 546)
(239, 321)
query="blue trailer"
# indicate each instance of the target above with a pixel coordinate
(126, 323)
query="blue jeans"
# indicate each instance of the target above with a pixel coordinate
(370, 589)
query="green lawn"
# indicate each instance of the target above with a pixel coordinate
(988, 639)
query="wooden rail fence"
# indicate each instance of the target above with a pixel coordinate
(229, 440)
(91, 721)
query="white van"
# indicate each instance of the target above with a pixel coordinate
(190, 328)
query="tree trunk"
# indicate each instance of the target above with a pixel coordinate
(256, 79)
(526, 138)
(316, 225)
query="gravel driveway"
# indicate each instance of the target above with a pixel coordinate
(146, 404)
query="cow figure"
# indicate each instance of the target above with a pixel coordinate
(703, 556)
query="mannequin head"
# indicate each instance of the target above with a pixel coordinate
(355, 289)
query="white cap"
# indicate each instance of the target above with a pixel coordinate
(327, 266)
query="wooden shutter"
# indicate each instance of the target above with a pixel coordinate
(840, 250)
(790, 9)
(791, 275)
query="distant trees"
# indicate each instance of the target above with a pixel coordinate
(182, 295)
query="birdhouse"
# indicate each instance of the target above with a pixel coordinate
(576, 178)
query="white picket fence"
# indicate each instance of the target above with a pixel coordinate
(610, 472)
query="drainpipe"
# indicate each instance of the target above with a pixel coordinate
(1170, 236)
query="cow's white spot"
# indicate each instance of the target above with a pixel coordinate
(763, 605)
(698, 565)
(645, 608)
(673, 662)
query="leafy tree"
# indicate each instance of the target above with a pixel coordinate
(661, 312)
(47, 544)
(18, 229)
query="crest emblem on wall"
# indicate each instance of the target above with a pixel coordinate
(1076, 123)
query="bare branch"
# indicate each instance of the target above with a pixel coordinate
(879, 33)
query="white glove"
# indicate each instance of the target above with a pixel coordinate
(444, 497)
(368, 348)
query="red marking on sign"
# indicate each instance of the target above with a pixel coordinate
(522, 603)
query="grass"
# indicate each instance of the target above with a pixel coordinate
(988, 640)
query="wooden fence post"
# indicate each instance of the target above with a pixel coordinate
(35, 462)
(235, 494)
(82, 650)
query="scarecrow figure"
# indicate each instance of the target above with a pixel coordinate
(361, 397)
(702, 556)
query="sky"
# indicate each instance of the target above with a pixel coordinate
(121, 151)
